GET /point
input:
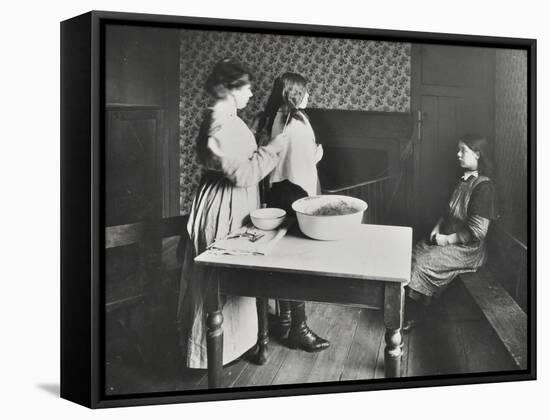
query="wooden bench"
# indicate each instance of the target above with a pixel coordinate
(505, 316)
(139, 299)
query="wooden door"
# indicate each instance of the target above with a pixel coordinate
(452, 94)
(132, 164)
(133, 210)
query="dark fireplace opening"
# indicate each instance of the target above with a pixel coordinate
(362, 159)
(345, 166)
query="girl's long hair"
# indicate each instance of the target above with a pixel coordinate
(480, 145)
(286, 95)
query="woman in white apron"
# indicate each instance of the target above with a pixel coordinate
(227, 193)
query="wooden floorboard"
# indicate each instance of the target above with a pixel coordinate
(379, 366)
(231, 373)
(446, 337)
(405, 357)
(329, 363)
(454, 339)
(255, 375)
(189, 379)
(446, 333)
(423, 348)
(363, 354)
(298, 364)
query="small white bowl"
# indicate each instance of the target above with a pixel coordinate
(268, 218)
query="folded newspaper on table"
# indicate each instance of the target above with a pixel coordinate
(249, 240)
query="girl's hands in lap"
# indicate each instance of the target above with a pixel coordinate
(441, 240)
(433, 234)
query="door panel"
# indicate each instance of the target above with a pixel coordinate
(452, 66)
(437, 168)
(133, 202)
(131, 190)
(452, 91)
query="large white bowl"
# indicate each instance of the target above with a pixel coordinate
(268, 218)
(328, 227)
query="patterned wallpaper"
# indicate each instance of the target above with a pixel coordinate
(342, 73)
(511, 138)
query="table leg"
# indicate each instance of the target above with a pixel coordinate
(214, 340)
(393, 320)
(263, 338)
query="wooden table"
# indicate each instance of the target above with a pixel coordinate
(368, 269)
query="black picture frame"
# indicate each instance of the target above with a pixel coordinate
(82, 202)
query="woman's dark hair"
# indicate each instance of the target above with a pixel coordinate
(287, 94)
(226, 75)
(480, 145)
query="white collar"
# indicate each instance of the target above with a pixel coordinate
(225, 108)
(468, 174)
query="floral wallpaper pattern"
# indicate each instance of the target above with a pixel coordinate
(346, 74)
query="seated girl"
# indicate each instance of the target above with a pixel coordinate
(457, 242)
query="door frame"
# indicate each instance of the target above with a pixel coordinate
(416, 111)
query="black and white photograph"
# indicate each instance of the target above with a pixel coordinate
(289, 209)
(294, 209)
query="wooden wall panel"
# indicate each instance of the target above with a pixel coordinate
(511, 140)
(142, 68)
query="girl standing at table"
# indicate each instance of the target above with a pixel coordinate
(457, 242)
(227, 193)
(294, 176)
